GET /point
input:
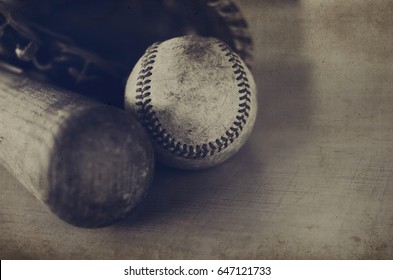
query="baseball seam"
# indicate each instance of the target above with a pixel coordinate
(228, 11)
(162, 137)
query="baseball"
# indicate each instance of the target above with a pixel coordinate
(196, 98)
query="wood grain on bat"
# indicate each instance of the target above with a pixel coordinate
(90, 163)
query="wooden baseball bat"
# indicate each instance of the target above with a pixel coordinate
(90, 163)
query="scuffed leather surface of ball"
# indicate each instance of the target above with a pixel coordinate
(196, 98)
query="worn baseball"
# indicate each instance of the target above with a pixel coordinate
(196, 98)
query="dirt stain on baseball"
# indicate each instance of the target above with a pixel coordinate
(195, 51)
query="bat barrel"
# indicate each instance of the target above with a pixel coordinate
(90, 163)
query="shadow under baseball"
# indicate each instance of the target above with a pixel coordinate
(282, 74)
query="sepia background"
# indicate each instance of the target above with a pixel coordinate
(315, 180)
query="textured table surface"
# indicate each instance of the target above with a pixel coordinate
(314, 181)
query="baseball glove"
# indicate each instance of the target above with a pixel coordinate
(91, 46)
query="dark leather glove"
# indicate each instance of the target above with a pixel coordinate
(91, 46)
